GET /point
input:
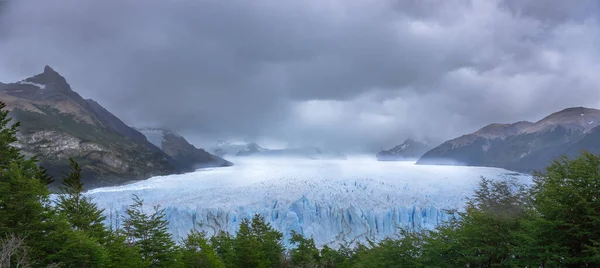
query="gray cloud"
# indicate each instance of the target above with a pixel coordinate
(348, 74)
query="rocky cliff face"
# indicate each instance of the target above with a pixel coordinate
(57, 123)
(523, 146)
(408, 150)
(184, 153)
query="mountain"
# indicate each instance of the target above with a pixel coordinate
(408, 150)
(57, 123)
(230, 148)
(523, 146)
(246, 149)
(181, 150)
(251, 149)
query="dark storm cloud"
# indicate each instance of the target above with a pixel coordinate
(348, 74)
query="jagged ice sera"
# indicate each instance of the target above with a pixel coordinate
(334, 201)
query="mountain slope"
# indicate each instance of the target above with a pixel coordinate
(57, 123)
(409, 149)
(177, 147)
(522, 146)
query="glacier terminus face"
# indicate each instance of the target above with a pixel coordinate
(334, 201)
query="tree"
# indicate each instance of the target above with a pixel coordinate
(120, 254)
(257, 244)
(78, 249)
(485, 235)
(8, 135)
(25, 209)
(247, 247)
(270, 240)
(80, 211)
(149, 233)
(306, 253)
(14, 252)
(224, 246)
(405, 251)
(197, 252)
(566, 203)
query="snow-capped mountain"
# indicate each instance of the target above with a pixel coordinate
(408, 150)
(333, 201)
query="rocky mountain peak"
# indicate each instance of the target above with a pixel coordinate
(50, 79)
(576, 118)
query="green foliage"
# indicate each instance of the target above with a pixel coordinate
(403, 252)
(149, 233)
(81, 250)
(80, 211)
(306, 253)
(566, 200)
(8, 136)
(197, 252)
(257, 244)
(120, 254)
(224, 245)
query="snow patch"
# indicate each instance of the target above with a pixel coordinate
(32, 84)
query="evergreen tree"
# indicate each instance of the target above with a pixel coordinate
(121, 255)
(80, 211)
(8, 135)
(257, 244)
(149, 233)
(197, 252)
(25, 209)
(224, 246)
(306, 253)
(248, 250)
(270, 241)
(80, 250)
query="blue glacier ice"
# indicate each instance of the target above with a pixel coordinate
(334, 201)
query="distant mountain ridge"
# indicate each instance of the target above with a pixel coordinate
(523, 146)
(57, 123)
(408, 150)
(181, 150)
(247, 149)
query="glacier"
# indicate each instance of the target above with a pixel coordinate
(334, 201)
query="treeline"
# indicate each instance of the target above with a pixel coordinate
(555, 222)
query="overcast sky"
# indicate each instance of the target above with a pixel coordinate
(353, 74)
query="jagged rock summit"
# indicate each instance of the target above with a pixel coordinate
(57, 123)
(523, 146)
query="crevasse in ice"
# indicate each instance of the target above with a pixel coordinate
(334, 201)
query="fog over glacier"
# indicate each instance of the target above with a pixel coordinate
(335, 201)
